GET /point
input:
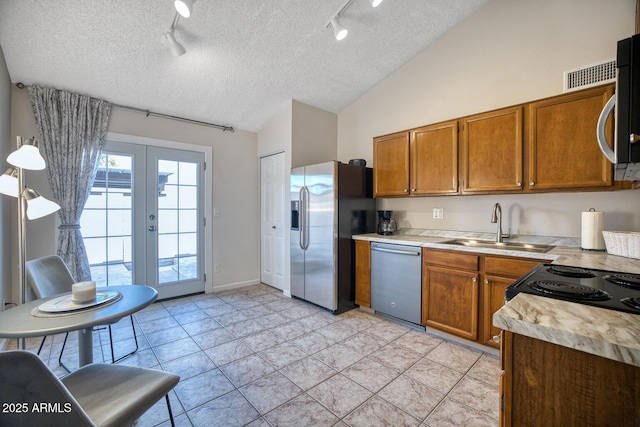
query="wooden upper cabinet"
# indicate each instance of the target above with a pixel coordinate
(491, 151)
(391, 165)
(563, 149)
(434, 159)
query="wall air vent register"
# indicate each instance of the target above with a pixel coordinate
(590, 75)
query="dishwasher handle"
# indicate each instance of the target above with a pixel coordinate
(395, 251)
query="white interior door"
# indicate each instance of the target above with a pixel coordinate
(144, 220)
(272, 220)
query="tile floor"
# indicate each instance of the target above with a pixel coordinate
(254, 357)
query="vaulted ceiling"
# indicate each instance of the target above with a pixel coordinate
(244, 60)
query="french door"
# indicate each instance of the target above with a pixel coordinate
(144, 221)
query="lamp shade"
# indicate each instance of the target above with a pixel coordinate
(38, 206)
(9, 182)
(338, 30)
(176, 48)
(27, 156)
(184, 7)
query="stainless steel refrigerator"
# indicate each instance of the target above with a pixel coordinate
(330, 202)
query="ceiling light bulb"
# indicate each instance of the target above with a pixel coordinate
(338, 30)
(176, 48)
(375, 3)
(27, 156)
(184, 7)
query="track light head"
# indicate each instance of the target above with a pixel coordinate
(375, 3)
(176, 48)
(338, 30)
(184, 7)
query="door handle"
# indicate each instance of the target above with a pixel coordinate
(152, 228)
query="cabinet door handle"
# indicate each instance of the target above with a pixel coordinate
(486, 282)
(496, 339)
(474, 279)
(518, 184)
(413, 189)
(405, 190)
(531, 184)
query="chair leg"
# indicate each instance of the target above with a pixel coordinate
(41, 345)
(64, 343)
(173, 424)
(135, 338)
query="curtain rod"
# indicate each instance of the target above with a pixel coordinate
(148, 113)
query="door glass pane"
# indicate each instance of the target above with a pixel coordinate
(177, 221)
(107, 222)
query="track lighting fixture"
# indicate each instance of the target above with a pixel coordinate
(338, 30)
(176, 48)
(184, 7)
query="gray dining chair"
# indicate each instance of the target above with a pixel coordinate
(95, 395)
(48, 276)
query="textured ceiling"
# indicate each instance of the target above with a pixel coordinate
(244, 60)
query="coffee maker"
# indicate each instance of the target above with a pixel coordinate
(386, 224)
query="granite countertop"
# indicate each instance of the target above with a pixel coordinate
(566, 250)
(607, 333)
(602, 332)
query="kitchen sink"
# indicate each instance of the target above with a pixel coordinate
(507, 246)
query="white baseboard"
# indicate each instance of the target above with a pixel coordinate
(232, 286)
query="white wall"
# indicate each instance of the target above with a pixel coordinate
(509, 52)
(7, 205)
(234, 188)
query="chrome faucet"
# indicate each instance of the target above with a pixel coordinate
(496, 217)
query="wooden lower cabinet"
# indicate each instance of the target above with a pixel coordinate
(450, 292)
(499, 272)
(363, 273)
(462, 290)
(546, 384)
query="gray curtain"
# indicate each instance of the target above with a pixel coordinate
(72, 128)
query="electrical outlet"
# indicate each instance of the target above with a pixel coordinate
(438, 213)
(216, 211)
(217, 268)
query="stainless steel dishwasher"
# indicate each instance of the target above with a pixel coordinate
(396, 280)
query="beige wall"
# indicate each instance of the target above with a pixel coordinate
(307, 135)
(7, 205)
(314, 135)
(234, 189)
(510, 51)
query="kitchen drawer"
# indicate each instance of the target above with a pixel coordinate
(508, 267)
(458, 260)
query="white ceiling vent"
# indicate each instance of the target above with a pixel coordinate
(590, 75)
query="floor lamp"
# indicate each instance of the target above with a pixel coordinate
(31, 204)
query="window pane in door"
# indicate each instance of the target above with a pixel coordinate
(177, 220)
(168, 221)
(107, 221)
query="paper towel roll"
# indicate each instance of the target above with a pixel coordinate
(592, 226)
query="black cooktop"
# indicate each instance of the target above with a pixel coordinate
(599, 288)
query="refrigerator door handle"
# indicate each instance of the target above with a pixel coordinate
(304, 217)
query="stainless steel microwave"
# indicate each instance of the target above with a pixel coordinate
(625, 154)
